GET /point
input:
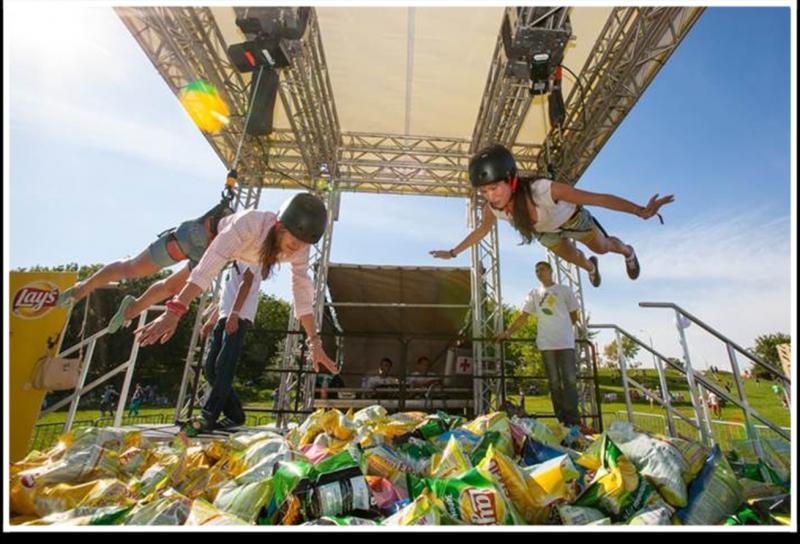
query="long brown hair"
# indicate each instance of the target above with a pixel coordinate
(270, 250)
(520, 215)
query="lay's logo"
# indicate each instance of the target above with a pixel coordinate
(484, 507)
(35, 300)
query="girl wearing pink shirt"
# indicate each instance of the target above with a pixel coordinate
(210, 243)
(264, 238)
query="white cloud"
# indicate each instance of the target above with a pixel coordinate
(438, 223)
(172, 143)
(746, 246)
(60, 45)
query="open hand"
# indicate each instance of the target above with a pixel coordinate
(654, 205)
(159, 330)
(319, 357)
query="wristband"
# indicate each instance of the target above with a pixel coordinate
(176, 307)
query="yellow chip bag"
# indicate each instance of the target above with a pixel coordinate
(553, 480)
(511, 480)
(451, 462)
(420, 512)
(203, 513)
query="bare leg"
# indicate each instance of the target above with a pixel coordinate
(570, 253)
(158, 291)
(601, 244)
(138, 267)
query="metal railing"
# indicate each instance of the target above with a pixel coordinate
(83, 388)
(664, 399)
(726, 433)
(678, 424)
(45, 435)
(732, 348)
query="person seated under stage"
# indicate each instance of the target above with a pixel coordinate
(421, 375)
(383, 378)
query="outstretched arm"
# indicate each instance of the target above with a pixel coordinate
(487, 222)
(562, 191)
(163, 327)
(317, 354)
(518, 322)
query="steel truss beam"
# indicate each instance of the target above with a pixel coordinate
(632, 47)
(307, 99)
(487, 316)
(504, 105)
(506, 97)
(388, 163)
(302, 387)
(186, 44)
(188, 396)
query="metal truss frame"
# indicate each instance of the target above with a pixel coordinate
(632, 47)
(487, 316)
(185, 43)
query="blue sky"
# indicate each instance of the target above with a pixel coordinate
(102, 158)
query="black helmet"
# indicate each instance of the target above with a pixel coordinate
(490, 165)
(304, 215)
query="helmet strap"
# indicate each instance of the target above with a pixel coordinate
(513, 183)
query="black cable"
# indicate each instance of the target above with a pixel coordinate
(284, 174)
(583, 95)
(301, 184)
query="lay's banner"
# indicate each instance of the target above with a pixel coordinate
(34, 319)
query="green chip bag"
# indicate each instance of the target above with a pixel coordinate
(471, 498)
(617, 489)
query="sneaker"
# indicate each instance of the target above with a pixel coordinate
(228, 423)
(197, 426)
(632, 265)
(594, 276)
(118, 319)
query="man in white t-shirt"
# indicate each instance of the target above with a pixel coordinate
(231, 319)
(556, 311)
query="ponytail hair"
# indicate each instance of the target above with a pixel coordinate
(270, 250)
(520, 215)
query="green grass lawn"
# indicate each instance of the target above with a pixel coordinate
(760, 396)
(144, 413)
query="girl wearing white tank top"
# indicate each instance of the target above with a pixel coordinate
(548, 211)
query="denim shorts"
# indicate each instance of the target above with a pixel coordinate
(192, 239)
(581, 226)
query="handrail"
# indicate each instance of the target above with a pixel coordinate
(708, 328)
(81, 388)
(699, 378)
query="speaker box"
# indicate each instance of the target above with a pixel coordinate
(263, 107)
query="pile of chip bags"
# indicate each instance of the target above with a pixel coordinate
(372, 468)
